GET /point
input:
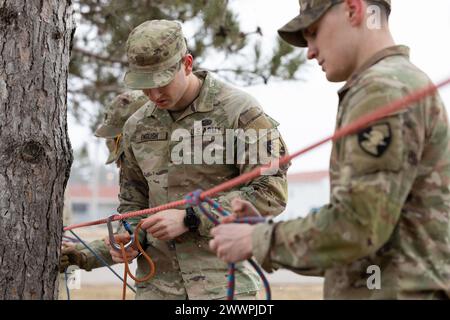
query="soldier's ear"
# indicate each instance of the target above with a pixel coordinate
(355, 11)
(188, 62)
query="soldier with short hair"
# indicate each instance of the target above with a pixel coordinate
(116, 113)
(389, 206)
(187, 108)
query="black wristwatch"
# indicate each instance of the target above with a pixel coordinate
(191, 220)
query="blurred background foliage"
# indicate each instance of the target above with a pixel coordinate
(98, 59)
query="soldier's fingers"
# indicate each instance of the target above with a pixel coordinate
(216, 231)
(227, 256)
(247, 210)
(117, 260)
(213, 245)
(63, 267)
(65, 244)
(229, 219)
(64, 264)
(251, 210)
(156, 228)
(128, 257)
(115, 254)
(237, 204)
(150, 221)
(213, 231)
(161, 235)
(221, 253)
(131, 253)
(122, 238)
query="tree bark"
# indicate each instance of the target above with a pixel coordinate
(35, 151)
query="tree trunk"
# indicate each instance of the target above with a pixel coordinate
(35, 151)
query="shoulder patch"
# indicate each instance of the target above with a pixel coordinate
(379, 147)
(376, 139)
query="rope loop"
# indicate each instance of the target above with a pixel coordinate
(194, 199)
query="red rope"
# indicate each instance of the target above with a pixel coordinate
(354, 127)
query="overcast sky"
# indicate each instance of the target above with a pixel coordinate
(307, 109)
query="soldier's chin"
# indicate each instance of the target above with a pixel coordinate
(335, 76)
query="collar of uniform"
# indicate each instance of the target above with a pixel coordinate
(205, 100)
(150, 109)
(390, 51)
(162, 115)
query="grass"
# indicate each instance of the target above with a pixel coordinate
(114, 292)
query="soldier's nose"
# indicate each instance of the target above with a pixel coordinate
(312, 53)
(152, 94)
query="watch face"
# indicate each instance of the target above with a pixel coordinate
(191, 220)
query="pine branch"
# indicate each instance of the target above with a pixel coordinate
(99, 57)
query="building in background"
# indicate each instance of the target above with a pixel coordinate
(307, 190)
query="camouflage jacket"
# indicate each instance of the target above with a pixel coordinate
(99, 247)
(390, 196)
(151, 176)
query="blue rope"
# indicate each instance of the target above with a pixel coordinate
(263, 278)
(193, 198)
(71, 239)
(101, 260)
(66, 278)
(127, 226)
(231, 281)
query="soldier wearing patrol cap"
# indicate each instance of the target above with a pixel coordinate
(116, 113)
(385, 232)
(177, 239)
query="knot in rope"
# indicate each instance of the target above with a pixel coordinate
(194, 198)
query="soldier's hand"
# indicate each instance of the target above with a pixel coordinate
(240, 208)
(71, 256)
(232, 242)
(166, 225)
(116, 255)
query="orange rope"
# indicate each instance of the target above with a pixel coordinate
(354, 127)
(127, 267)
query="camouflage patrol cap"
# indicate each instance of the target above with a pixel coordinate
(154, 50)
(310, 12)
(118, 112)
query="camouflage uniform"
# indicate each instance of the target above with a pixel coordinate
(390, 195)
(116, 113)
(185, 267)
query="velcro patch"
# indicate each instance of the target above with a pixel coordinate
(249, 116)
(208, 131)
(152, 136)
